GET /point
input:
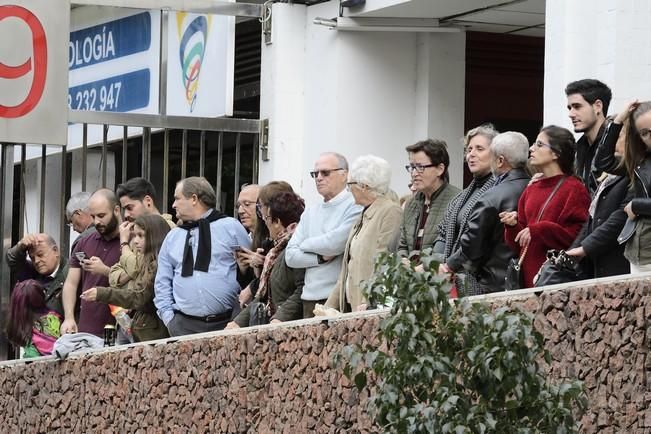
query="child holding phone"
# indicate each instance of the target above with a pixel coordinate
(149, 232)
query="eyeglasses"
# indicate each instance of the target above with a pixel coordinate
(70, 223)
(350, 184)
(245, 203)
(325, 173)
(540, 144)
(644, 133)
(420, 168)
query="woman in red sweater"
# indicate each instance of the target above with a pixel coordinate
(552, 154)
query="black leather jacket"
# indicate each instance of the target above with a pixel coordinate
(584, 166)
(482, 250)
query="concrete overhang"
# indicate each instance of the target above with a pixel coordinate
(519, 17)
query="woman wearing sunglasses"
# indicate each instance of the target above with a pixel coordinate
(552, 210)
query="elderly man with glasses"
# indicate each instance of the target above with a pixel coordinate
(320, 238)
(428, 167)
(45, 265)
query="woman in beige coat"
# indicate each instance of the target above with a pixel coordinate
(368, 181)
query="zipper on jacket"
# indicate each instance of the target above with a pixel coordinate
(646, 193)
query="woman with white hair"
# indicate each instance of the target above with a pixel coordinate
(368, 181)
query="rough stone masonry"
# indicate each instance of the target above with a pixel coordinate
(280, 378)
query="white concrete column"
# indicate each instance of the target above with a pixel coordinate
(356, 93)
(601, 39)
(282, 94)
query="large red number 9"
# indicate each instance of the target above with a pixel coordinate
(38, 60)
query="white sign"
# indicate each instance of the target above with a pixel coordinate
(33, 71)
(200, 65)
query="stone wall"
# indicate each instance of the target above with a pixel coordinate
(279, 378)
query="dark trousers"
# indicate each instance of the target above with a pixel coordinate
(181, 325)
(309, 305)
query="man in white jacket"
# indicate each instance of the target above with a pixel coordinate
(320, 238)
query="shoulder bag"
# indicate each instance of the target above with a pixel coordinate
(513, 278)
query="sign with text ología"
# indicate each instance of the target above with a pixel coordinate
(33, 71)
(113, 57)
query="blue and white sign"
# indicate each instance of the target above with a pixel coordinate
(110, 40)
(113, 58)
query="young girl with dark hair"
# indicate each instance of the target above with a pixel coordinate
(149, 232)
(30, 323)
(552, 210)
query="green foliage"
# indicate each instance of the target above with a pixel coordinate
(454, 367)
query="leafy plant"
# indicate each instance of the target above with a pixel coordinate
(454, 367)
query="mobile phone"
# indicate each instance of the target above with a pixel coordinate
(80, 256)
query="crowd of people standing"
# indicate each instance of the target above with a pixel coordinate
(282, 261)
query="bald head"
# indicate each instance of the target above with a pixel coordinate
(104, 208)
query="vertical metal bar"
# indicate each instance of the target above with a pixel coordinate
(23, 172)
(6, 207)
(146, 152)
(254, 163)
(84, 157)
(236, 183)
(125, 147)
(162, 66)
(41, 216)
(184, 153)
(202, 154)
(64, 234)
(166, 168)
(220, 165)
(104, 153)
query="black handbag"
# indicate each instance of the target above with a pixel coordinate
(558, 268)
(259, 313)
(513, 279)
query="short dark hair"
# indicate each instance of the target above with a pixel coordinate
(286, 207)
(591, 90)
(136, 189)
(436, 150)
(562, 143)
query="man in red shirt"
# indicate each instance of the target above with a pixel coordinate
(90, 263)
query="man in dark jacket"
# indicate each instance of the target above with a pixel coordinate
(587, 103)
(45, 265)
(483, 251)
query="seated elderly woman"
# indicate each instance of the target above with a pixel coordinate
(280, 287)
(375, 228)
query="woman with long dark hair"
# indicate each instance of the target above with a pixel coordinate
(552, 210)
(149, 232)
(637, 163)
(30, 324)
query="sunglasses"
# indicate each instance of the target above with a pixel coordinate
(325, 173)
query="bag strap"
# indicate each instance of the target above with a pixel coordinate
(542, 210)
(550, 197)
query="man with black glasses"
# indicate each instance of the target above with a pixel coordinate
(428, 167)
(320, 238)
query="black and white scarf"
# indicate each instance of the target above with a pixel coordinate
(447, 228)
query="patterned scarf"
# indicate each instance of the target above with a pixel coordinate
(269, 260)
(447, 227)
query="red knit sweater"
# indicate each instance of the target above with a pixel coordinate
(558, 226)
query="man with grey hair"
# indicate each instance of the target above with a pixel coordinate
(483, 252)
(196, 288)
(78, 216)
(320, 238)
